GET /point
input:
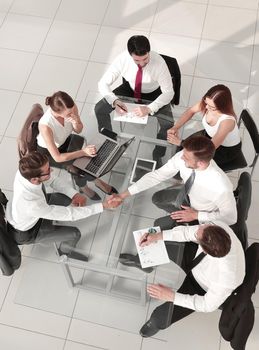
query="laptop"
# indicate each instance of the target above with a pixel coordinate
(109, 152)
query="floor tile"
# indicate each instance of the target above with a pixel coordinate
(11, 162)
(179, 17)
(70, 39)
(183, 49)
(4, 285)
(2, 17)
(82, 11)
(111, 42)
(252, 4)
(20, 64)
(233, 25)
(5, 5)
(89, 333)
(131, 14)
(77, 346)
(8, 101)
(255, 66)
(25, 33)
(63, 74)
(253, 220)
(29, 318)
(216, 58)
(14, 338)
(35, 7)
(252, 103)
(21, 112)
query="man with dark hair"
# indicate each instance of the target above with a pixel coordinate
(213, 271)
(145, 77)
(31, 210)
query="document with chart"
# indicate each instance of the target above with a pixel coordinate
(153, 254)
(130, 116)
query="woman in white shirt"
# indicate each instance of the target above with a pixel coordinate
(57, 141)
(219, 122)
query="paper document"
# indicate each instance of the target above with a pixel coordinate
(152, 254)
(130, 117)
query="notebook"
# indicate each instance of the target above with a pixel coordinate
(109, 152)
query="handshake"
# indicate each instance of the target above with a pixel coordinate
(114, 200)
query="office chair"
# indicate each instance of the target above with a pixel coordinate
(10, 255)
(251, 127)
(237, 317)
(243, 194)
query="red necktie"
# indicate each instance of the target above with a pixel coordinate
(138, 82)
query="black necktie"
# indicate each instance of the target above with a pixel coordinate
(44, 191)
(182, 197)
(195, 261)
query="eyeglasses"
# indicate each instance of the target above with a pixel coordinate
(46, 174)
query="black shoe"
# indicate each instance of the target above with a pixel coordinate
(133, 261)
(74, 255)
(148, 329)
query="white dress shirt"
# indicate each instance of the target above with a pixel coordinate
(29, 204)
(211, 193)
(155, 74)
(217, 276)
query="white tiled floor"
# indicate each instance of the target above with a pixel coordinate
(67, 45)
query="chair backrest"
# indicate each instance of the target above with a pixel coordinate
(10, 255)
(175, 72)
(27, 139)
(243, 195)
(251, 127)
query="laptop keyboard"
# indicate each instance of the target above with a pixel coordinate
(102, 154)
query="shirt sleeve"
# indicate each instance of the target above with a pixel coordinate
(109, 77)
(181, 234)
(226, 212)
(41, 209)
(155, 177)
(214, 297)
(166, 85)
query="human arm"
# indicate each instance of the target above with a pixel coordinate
(161, 292)
(187, 214)
(225, 127)
(48, 137)
(75, 120)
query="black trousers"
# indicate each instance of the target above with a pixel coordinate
(72, 143)
(168, 313)
(44, 231)
(103, 110)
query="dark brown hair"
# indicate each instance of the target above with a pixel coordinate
(59, 101)
(215, 241)
(201, 147)
(221, 96)
(138, 45)
(31, 164)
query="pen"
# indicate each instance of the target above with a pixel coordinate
(123, 108)
(150, 231)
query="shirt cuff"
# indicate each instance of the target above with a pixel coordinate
(167, 235)
(133, 189)
(70, 192)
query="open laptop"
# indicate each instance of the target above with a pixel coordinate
(109, 152)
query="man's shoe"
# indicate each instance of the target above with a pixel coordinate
(133, 261)
(73, 255)
(148, 329)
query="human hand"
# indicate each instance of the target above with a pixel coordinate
(186, 215)
(78, 200)
(120, 107)
(148, 238)
(112, 201)
(173, 131)
(161, 292)
(141, 111)
(90, 151)
(173, 139)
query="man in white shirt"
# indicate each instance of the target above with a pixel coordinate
(156, 86)
(30, 216)
(211, 278)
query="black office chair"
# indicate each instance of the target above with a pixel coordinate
(175, 72)
(243, 195)
(251, 127)
(10, 255)
(237, 317)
